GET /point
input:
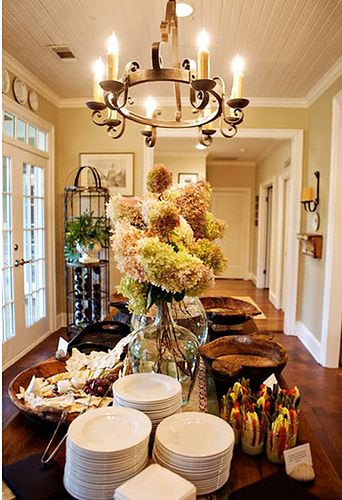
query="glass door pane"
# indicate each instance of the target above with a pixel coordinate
(7, 303)
(34, 248)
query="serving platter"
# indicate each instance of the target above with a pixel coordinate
(45, 369)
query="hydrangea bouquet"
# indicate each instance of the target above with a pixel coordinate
(164, 245)
(163, 242)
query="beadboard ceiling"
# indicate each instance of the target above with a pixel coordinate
(288, 45)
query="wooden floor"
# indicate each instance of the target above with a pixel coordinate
(321, 388)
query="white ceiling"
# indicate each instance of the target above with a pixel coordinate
(289, 45)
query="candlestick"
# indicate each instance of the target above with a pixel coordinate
(207, 112)
(203, 55)
(98, 70)
(112, 57)
(238, 67)
(150, 105)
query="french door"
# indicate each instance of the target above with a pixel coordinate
(25, 287)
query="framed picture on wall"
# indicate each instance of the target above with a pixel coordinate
(185, 179)
(115, 169)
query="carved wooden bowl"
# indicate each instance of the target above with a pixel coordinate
(230, 358)
(45, 369)
(227, 310)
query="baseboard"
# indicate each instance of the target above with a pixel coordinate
(309, 340)
(252, 277)
(272, 298)
(61, 321)
(25, 351)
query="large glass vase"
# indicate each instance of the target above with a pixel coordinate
(165, 347)
(188, 313)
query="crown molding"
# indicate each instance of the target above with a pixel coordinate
(278, 102)
(32, 80)
(232, 163)
(255, 102)
(324, 83)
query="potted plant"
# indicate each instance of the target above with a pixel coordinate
(85, 235)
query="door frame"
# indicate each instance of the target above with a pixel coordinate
(295, 136)
(262, 234)
(25, 114)
(247, 191)
(284, 177)
(331, 313)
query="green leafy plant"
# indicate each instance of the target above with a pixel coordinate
(83, 230)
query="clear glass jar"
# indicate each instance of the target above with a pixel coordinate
(188, 313)
(252, 437)
(166, 347)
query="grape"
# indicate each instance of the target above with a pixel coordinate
(99, 386)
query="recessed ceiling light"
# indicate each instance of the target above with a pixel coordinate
(184, 9)
(200, 146)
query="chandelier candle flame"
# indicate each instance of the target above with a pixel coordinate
(113, 103)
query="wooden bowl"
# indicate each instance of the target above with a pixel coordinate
(227, 310)
(45, 369)
(230, 358)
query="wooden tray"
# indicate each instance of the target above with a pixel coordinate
(45, 369)
(226, 310)
(230, 358)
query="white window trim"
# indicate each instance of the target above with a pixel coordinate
(12, 107)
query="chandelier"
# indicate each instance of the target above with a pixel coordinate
(112, 103)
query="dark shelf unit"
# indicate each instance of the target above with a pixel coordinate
(86, 284)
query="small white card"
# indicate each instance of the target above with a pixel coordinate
(62, 345)
(270, 381)
(297, 455)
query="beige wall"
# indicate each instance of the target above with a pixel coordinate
(318, 158)
(78, 134)
(235, 174)
(194, 164)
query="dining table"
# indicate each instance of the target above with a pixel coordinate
(23, 437)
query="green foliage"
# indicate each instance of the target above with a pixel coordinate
(82, 230)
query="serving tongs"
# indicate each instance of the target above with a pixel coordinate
(46, 458)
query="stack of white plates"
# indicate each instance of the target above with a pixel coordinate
(198, 447)
(157, 395)
(105, 447)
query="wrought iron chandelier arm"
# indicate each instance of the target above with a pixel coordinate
(114, 131)
(230, 131)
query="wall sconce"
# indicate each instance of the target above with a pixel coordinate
(310, 203)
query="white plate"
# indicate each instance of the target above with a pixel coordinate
(195, 434)
(108, 457)
(175, 402)
(197, 461)
(109, 429)
(194, 466)
(146, 387)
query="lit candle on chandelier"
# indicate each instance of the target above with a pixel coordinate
(307, 194)
(238, 67)
(150, 106)
(112, 57)
(203, 55)
(98, 72)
